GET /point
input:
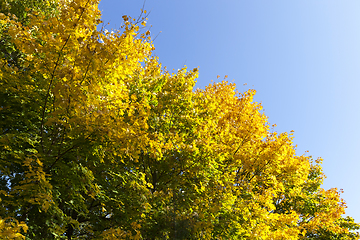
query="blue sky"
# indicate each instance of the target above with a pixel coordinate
(302, 58)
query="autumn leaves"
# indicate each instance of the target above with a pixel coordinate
(109, 132)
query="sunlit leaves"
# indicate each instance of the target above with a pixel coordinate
(12, 229)
(98, 140)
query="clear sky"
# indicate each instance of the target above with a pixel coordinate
(302, 58)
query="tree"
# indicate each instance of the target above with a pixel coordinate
(99, 141)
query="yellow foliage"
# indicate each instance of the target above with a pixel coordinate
(113, 138)
(12, 229)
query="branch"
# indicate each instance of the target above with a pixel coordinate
(63, 153)
(52, 78)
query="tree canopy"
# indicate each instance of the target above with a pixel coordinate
(99, 141)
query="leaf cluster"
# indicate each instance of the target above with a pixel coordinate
(99, 141)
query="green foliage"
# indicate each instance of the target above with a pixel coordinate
(97, 141)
